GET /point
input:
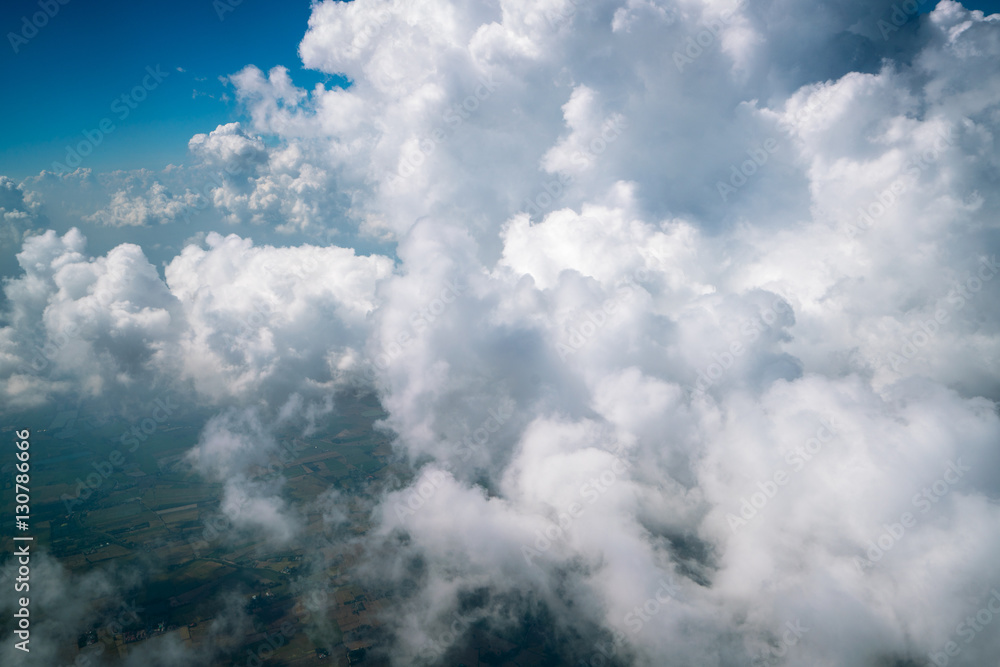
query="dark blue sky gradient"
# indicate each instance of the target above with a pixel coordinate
(65, 79)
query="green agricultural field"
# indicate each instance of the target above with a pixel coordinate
(174, 495)
(362, 459)
(306, 488)
(112, 551)
(354, 456)
(336, 468)
(114, 514)
(198, 574)
(181, 517)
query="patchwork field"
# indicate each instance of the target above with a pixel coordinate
(97, 504)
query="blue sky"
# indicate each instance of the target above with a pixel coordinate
(66, 77)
